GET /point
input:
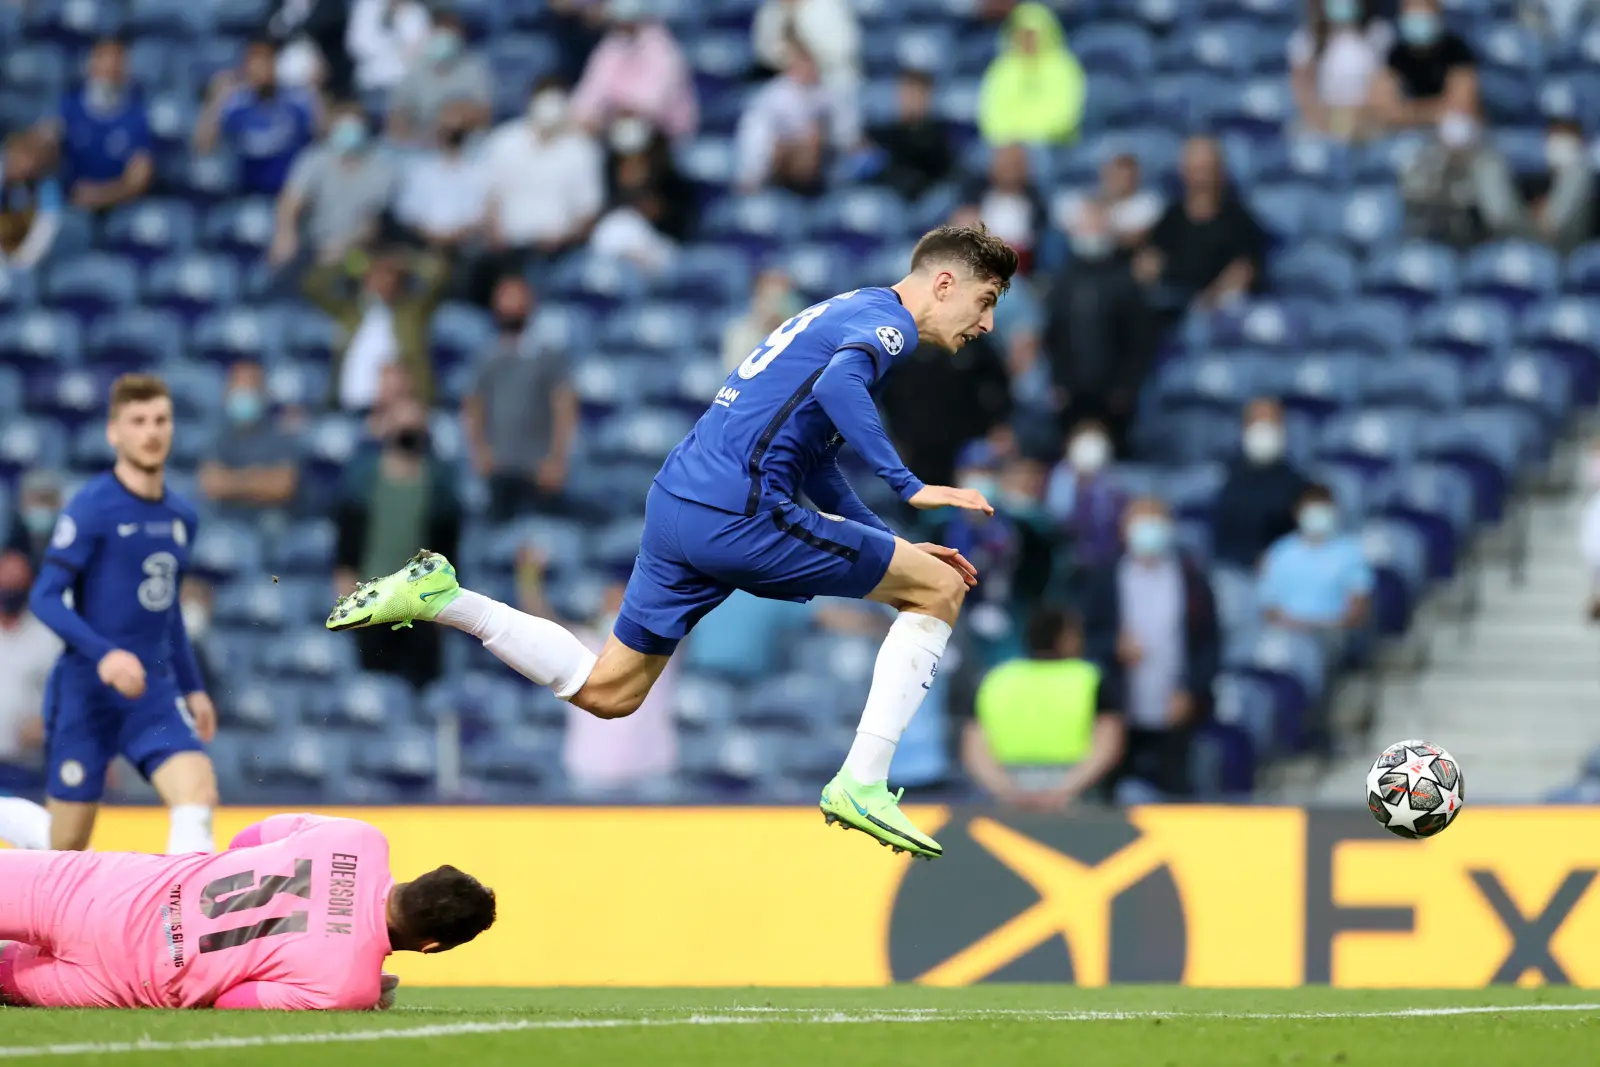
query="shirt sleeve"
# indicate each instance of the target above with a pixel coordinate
(1269, 589)
(277, 828)
(830, 491)
(280, 996)
(72, 546)
(843, 391)
(185, 665)
(139, 130)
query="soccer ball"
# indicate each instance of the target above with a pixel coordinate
(1415, 789)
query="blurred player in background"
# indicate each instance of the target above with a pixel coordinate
(723, 515)
(128, 683)
(298, 915)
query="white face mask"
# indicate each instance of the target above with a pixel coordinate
(1263, 442)
(1563, 150)
(1089, 452)
(630, 135)
(548, 109)
(1457, 131)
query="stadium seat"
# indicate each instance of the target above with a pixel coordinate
(1421, 380)
(40, 339)
(192, 285)
(241, 229)
(1317, 270)
(1520, 273)
(150, 229)
(72, 396)
(29, 443)
(1541, 383)
(1374, 439)
(1417, 273)
(1437, 501)
(1218, 382)
(135, 339)
(1371, 327)
(92, 285)
(257, 708)
(1470, 327)
(1398, 556)
(1117, 48)
(366, 701)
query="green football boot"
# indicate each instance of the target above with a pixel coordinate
(419, 590)
(873, 810)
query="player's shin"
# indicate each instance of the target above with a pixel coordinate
(905, 668)
(538, 649)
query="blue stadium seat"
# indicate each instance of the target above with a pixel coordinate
(11, 386)
(1258, 109)
(1286, 209)
(91, 452)
(312, 654)
(605, 386)
(1518, 272)
(407, 760)
(242, 16)
(1539, 382)
(72, 396)
(19, 291)
(259, 601)
(254, 707)
(1118, 48)
(150, 229)
(1313, 269)
(70, 22)
(241, 229)
(193, 285)
(1247, 703)
(648, 434)
(222, 550)
(1235, 591)
(1322, 383)
(40, 339)
(1291, 663)
(1511, 47)
(305, 548)
(1489, 445)
(523, 758)
(1416, 272)
(1507, 96)
(1229, 48)
(41, 67)
(708, 160)
(1437, 501)
(657, 326)
(202, 180)
(1369, 217)
(758, 222)
(92, 284)
(461, 333)
(365, 701)
(705, 703)
(479, 701)
(150, 65)
(919, 46)
(1568, 329)
(210, 56)
(1218, 382)
(1303, 159)
(817, 269)
(1397, 554)
(28, 443)
(137, 338)
(172, 18)
(1373, 327)
(238, 333)
(861, 217)
(1262, 323)
(1470, 327)
(1565, 96)
(1374, 440)
(1420, 380)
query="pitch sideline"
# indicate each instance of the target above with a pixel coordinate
(737, 1017)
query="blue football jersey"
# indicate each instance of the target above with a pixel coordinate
(115, 562)
(765, 433)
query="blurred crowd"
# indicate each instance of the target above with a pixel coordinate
(429, 186)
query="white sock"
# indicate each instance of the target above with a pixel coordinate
(191, 830)
(907, 662)
(536, 648)
(24, 824)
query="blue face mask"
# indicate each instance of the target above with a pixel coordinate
(245, 406)
(1149, 536)
(39, 521)
(442, 47)
(983, 483)
(1419, 28)
(347, 135)
(1318, 520)
(1342, 11)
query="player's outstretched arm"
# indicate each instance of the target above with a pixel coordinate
(944, 496)
(830, 491)
(843, 390)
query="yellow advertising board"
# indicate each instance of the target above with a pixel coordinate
(1207, 896)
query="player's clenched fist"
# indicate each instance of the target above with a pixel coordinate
(123, 672)
(944, 496)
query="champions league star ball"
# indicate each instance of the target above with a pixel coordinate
(1415, 789)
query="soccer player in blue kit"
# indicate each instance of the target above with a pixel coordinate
(723, 514)
(128, 683)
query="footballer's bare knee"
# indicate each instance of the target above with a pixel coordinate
(622, 677)
(942, 598)
(922, 584)
(187, 778)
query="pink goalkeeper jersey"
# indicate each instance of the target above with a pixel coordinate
(293, 916)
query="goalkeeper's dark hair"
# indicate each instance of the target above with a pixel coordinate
(448, 906)
(974, 247)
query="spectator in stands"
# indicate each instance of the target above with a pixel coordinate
(1034, 91)
(1207, 249)
(336, 192)
(384, 39)
(1086, 504)
(1316, 579)
(104, 134)
(253, 465)
(650, 206)
(1009, 203)
(1555, 206)
(28, 651)
(39, 502)
(310, 35)
(943, 400)
(264, 125)
(546, 187)
(444, 191)
(1262, 492)
(826, 29)
(1151, 621)
(383, 304)
(392, 502)
(789, 127)
(1099, 342)
(447, 75)
(522, 415)
(1333, 62)
(1430, 77)
(30, 200)
(638, 69)
(772, 300)
(916, 145)
(1115, 218)
(1048, 728)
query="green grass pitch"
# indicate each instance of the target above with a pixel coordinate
(1128, 1026)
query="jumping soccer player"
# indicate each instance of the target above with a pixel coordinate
(298, 915)
(128, 682)
(722, 515)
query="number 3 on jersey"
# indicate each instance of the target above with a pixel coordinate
(778, 340)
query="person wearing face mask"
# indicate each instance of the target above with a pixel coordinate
(1316, 579)
(521, 416)
(1083, 502)
(264, 125)
(384, 38)
(39, 500)
(547, 187)
(791, 127)
(1261, 494)
(1333, 61)
(448, 74)
(336, 192)
(1555, 206)
(253, 461)
(1009, 203)
(443, 196)
(28, 651)
(637, 69)
(394, 501)
(650, 205)
(1429, 78)
(103, 132)
(1150, 622)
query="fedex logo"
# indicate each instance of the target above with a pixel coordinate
(726, 396)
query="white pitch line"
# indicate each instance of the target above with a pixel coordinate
(739, 1017)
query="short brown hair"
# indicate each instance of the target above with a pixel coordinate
(974, 247)
(132, 388)
(447, 906)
